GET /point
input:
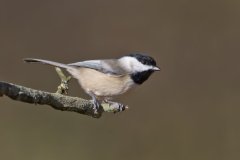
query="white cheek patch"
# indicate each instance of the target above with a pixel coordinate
(131, 65)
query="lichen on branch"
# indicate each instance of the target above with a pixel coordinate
(57, 101)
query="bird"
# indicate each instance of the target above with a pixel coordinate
(107, 78)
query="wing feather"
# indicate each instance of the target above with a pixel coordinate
(110, 66)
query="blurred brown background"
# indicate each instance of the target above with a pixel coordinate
(188, 111)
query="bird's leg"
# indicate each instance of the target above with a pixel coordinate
(106, 100)
(120, 107)
(95, 102)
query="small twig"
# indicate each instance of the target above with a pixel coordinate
(57, 101)
(63, 87)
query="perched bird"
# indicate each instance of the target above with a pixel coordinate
(104, 79)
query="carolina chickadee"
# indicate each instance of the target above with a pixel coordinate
(103, 79)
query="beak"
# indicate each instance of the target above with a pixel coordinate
(156, 68)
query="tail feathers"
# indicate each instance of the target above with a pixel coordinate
(56, 64)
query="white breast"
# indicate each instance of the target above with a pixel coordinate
(102, 85)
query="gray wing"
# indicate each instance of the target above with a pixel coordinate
(109, 66)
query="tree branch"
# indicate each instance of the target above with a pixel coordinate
(56, 100)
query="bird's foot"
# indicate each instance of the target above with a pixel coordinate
(96, 103)
(118, 107)
(96, 106)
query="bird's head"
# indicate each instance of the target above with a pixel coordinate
(139, 65)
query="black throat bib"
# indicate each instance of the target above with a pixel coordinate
(140, 77)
